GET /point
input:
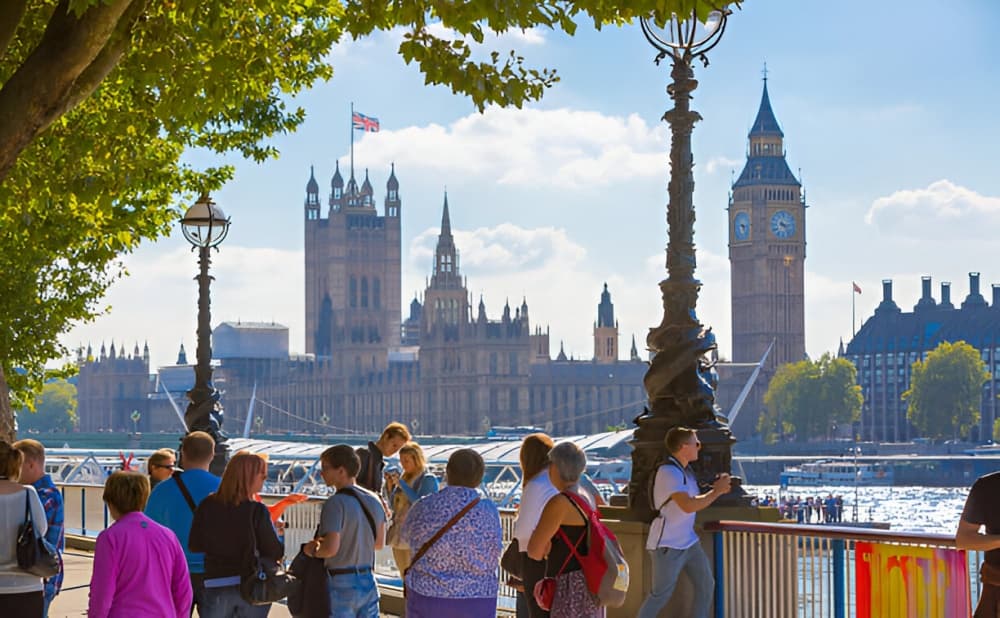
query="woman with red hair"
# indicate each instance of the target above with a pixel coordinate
(220, 530)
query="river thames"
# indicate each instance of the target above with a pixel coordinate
(907, 509)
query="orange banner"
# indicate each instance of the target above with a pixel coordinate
(898, 581)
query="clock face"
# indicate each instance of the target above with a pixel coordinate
(741, 226)
(783, 224)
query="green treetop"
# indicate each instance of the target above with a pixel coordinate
(809, 398)
(946, 391)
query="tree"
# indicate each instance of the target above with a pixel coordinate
(100, 98)
(55, 409)
(946, 391)
(809, 398)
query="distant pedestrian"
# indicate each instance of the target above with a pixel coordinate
(351, 528)
(33, 473)
(393, 437)
(139, 567)
(982, 511)
(159, 466)
(561, 535)
(456, 577)
(404, 490)
(678, 549)
(21, 593)
(536, 493)
(225, 528)
(174, 501)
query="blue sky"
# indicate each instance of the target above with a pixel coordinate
(888, 109)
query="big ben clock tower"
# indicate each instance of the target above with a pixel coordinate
(767, 251)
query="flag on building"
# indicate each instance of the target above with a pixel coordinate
(857, 288)
(361, 122)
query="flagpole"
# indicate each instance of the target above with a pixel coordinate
(352, 139)
(853, 312)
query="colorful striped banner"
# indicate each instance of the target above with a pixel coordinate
(897, 581)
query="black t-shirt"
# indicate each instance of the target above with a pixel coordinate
(983, 507)
(223, 532)
(372, 464)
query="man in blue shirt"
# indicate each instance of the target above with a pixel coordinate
(33, 473)
(173, 501)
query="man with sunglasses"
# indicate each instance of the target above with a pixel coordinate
(677, 548)
(160, 466)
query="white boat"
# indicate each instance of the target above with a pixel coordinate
(818, 473)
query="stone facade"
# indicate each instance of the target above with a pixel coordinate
(767, 251)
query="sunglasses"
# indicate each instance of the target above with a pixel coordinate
(167, 466)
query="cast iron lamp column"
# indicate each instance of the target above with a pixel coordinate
(205, 226)
(681, 379)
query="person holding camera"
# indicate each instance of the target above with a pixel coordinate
(674, 541)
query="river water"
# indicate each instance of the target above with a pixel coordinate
(907, 509)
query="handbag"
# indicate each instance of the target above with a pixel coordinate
(312, 598)
(34, 554)
(512, 561)
(545, 588)
(437, 535)
(267, 582)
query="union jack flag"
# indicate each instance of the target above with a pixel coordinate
(361, 122)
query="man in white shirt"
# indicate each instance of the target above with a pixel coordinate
(675, 492)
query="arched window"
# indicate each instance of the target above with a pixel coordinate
(364, 291)
(353, 288)
(377, 293)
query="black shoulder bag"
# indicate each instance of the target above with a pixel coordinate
(267, 581)
(34, 554)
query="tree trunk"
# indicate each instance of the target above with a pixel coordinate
(6, 414)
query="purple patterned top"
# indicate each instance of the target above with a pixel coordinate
(463, 563)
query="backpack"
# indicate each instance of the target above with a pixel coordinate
(670, 461)
(604, 565)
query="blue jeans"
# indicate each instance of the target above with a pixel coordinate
(226, 602)
(353, 595)
(667, 567)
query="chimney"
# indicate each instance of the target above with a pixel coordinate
(996, 294)
(946, 295)
(974, 299)
(887, 306)
(926, 301)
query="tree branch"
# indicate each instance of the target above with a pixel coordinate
(36, 93)
(11, 14)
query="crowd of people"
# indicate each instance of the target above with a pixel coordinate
(193, 541)
(808, 509)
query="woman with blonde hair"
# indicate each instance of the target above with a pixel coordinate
(160, 466)
(21, 593)
(220, 530)
(139, 567)
(536, 492)
(415, 483)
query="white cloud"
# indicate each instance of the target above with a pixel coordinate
(564, 148)
(721, 163)
(158, 301)
(941, 211)
(514, 36)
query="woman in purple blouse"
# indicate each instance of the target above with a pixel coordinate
(139, 567)
(457, 576)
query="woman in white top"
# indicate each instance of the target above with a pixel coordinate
(536, 491)
(21, 593)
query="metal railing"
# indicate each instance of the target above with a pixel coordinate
(87, 515)
(786, 570)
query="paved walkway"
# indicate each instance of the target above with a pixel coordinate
(72, 601)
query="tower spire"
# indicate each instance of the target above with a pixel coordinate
(445, 218)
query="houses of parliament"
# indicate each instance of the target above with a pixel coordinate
(449, 368)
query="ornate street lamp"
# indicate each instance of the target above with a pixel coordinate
(681, 379)
(205, 226)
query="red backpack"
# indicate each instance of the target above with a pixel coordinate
(604, 565)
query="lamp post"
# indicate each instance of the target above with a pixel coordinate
(681, 379)
(205, 226)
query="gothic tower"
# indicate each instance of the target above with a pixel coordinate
(353, 274)
(767, 250)
(605, 330)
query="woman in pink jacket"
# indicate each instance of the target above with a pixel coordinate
(139, 567)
